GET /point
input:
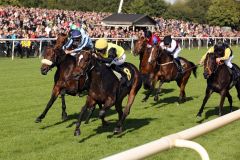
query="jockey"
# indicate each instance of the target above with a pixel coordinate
(152, 39)
(78, 40)
(112, 55)
(226, 55)
(174, 48)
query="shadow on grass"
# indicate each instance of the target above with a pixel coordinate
(170, 100)
(163, 91)
(74, 116)
(214, 112)
(129, 126)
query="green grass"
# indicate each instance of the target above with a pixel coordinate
(24, 93)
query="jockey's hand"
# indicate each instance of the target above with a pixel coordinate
(68, 52)
(95, 55)
(218, 60)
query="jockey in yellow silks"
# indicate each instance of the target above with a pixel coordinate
(112, 55)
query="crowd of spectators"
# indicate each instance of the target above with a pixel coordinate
(20, 22)
(15, 22)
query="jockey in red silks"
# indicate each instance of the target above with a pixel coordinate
(152, 39)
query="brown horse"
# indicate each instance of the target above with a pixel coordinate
(64, 83)
(104, 88)
(146, 68)
(219, 80)
(164, 69)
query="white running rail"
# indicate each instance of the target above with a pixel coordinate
(179, 139)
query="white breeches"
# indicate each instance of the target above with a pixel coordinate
(176, 53)
(120, 60)
(228, 62)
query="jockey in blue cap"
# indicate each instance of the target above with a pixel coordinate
(78, 40)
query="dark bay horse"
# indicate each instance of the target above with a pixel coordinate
(64, 83)
(104, 88)
(219, 80)
(163, 69)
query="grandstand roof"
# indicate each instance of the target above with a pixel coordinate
(128, 20)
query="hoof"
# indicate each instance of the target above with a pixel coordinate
(199, 115)
(117, 130)
(101, 113)
(38, 120)
(156, 98)
(64, 117)
(77, 132)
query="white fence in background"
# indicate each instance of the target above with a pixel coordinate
(185, 42)
(180, 139)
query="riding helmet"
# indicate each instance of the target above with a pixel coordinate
(220, 46)
(101, 43)
(167, 40)
(75, 33)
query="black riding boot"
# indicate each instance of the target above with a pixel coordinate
(178, 64)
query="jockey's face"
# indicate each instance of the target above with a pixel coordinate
(76, 41)
(101, 51)
(168, 45)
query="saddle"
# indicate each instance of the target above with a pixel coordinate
(123, 72)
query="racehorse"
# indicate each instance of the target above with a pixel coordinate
(146, 68)
(64, 82)
(219, 80)
(104, 88)
(163, 68)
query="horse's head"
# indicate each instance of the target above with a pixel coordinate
(210, 65)
(139, 46)
(61, 40)
(155, 52)
(84, 60)
(48, 60)
(52, 57)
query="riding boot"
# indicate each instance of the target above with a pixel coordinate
(178, 64)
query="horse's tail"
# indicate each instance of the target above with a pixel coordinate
(194, 69)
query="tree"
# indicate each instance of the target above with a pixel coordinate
(149, 7)
(199, 8)
(179, 10)
(224, 13)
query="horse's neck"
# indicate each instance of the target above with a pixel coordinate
(165, 57)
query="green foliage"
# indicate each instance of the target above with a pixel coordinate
(149, 7)
(224, 13)
(199, 8)
(179, 10)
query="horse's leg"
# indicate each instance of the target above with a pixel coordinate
(118, 107)
(54, 96)
(207, 95)
(182, 84)
(229, 100)
(80, 117)
(109, 102)
(158, 91)
(90, 103)
(152, 88)
(223, 95)
(131, 96)
(91, 110)
(64, 113)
